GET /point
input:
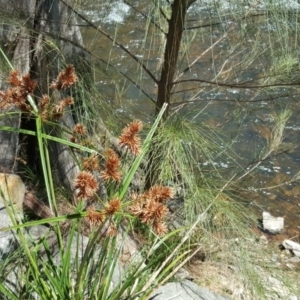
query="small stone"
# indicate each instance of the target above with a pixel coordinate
(292, 246)
(263, 240)
(294, 260)
(13, 191)
(183, 274)
(272, 224)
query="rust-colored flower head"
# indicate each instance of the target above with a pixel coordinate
(73, 139)
(156, 210)
(160, 193)
(112, 230)
(112, 165)
(95, 217)
(86, 185)
(68, 101)
(44, 103)
(79, 129)
(58, 110)
(27, 84)
(91, 163)
(137, 209)
(113, 206)
(14, 79)
(65, 78)
(44, 107)
(160, 228)
(149, 208)
(17, 94)
(130, 138)
(152, 211)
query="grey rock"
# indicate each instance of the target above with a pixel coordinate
(8, 241)
(12, 190)
(292, 246)
(272, 224)
(183, 273)
(278, 287)
(11, 197)
(185, 290)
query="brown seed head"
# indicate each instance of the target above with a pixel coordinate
(86, 184)
(112, 230)
(14, 79)
(113, 206)
(27, 84)
(129, 137)
(95, 217)
(159, 193)
(112, 165)
(160, 228)
(68, 101)
(65, 78)
(79, 129)
(91, 163)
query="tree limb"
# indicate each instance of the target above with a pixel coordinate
(190, 2)
(227, 21)
(238, 85)
(145, 16)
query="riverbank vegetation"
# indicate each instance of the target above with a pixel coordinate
(214, 70)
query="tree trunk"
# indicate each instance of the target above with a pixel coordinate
(165, 85)
(34, 35)
(173, 42)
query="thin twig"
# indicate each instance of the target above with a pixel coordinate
(135, 58)
(202, 54)
(241, 85)
(145, 16)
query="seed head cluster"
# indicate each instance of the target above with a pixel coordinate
(130, 138)
(16, 95)
(150, 208)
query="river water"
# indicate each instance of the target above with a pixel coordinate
(225, 53)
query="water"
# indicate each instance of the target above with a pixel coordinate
(246, 117)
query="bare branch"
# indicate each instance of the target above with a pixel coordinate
(269, 99)
(202, 54)
(190, 2)
(229, 21)
(241, 85)
(113, 40)
(163, 14)
(145, 16)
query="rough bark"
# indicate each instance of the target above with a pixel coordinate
(9, 140)
(28, 31)
(173, 42)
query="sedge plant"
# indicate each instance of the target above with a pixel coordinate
(65, 269)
